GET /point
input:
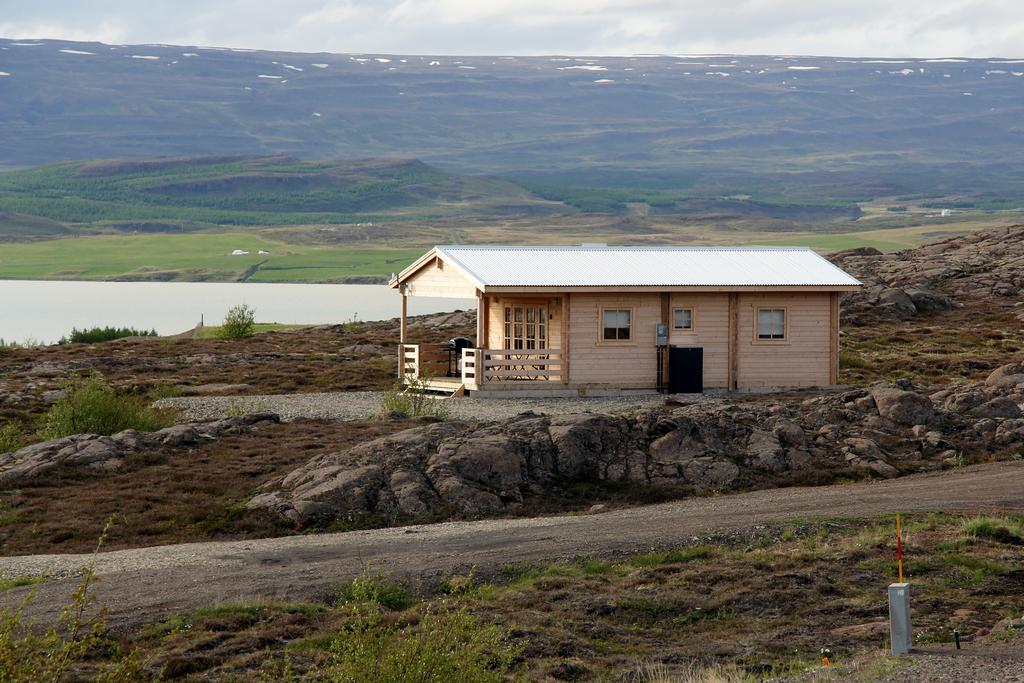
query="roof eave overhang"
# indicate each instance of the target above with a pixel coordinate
(533, 289)
(412, 268)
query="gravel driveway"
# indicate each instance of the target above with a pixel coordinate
(360, 405)
(144, 584)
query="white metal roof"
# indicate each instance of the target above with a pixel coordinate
(603, 266)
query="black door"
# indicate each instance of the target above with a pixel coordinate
(686, 370)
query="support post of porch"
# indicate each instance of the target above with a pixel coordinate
(403, 329)
(481, 320)
(402, 333)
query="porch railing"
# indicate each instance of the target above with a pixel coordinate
(480, 366)
(419, 360)
(511, 365)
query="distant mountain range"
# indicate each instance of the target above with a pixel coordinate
(765, 127)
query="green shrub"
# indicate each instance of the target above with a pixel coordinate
(375, 589)
(89, 405)
(849, 359)
(353, 325)
(412, 400)
(997, 528)
(11, 438)
(447, 644)
(95, 335)
(240, 322)
(30, 653)
(680, 556)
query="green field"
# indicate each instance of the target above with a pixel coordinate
(198, 256)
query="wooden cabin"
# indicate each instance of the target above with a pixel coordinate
(598, 320)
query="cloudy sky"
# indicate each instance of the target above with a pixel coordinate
(925, 28)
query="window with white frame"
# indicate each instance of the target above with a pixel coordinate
(682, 319)
(771, 323)
(616, 324)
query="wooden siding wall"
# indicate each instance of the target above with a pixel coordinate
(710, 331)
(633, 365)
(444, 282)
(802, 359)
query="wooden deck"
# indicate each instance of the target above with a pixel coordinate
(484, 370)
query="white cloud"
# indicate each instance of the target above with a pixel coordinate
(922, 28)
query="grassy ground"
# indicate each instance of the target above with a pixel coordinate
(949, 347)
(323, 253)
(173, 496)
(213, 331)
(202, 256)
(761, 603)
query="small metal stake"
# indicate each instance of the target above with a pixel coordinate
(956, 637)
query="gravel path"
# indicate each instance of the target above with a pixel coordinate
(998, 662)
(144, 584)
(360, 405)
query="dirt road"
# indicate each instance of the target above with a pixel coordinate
(144, 584)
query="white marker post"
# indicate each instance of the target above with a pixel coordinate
(900, 629)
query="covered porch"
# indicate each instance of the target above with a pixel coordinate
(518, 343)
(456, 371)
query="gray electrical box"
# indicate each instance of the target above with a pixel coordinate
(661, 335)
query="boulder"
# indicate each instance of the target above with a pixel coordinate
(493, 463)
(1010, 432)
(96, 454)
(711, 473)
(351, 490)
(678, 446)
(963, 402)
(181, 435)
(765, 450)
(883, 469)
(1000, 407)
(927, 301)
(897, 301)
(902, 406)
(864, 448)
(1011, 374)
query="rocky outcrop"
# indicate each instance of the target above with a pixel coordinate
(902, 406)
(95, 453)
(466, 470)
(980, 266)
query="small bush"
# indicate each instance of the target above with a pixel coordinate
(694, 673)
(447, 644)
(90, 405)
(995, 528)
(680, 556)
(848, 359)
(29, 653)
(375, 589)
(11, 438)
(353, 325)
(412, 400)
(94, 335)
(24, 344)
(240, 322)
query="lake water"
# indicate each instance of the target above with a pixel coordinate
(47, 310)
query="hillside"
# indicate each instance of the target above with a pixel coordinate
(185, 194)
(794, 128)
